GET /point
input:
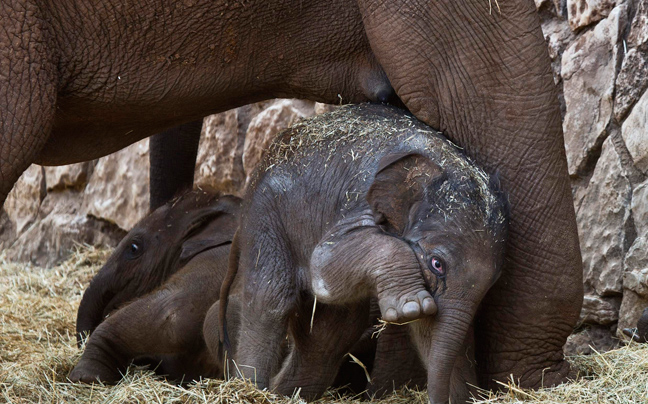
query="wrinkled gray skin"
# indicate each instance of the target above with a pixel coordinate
(156, 288)
(365, 202)
(157, 297)
(80, 79)
(172, 157)
(640, 333)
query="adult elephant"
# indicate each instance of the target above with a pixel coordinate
(81, 79)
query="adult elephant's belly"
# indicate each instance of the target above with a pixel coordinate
(85, 130)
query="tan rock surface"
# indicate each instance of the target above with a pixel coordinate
(582, 13)
(600, 310)
(70, 176)
(219, 164)
(25, 198)
(118, 191)
(631, 82)
(635, 284)
(588, 72)
(603, 216)
(61, 226)
(264, 127)
(635, 133)
(640, 208)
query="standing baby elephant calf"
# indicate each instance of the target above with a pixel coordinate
(359, 203)
(166, 273)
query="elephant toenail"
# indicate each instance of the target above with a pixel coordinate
(391, 315)
(429, 306)
(411, 309)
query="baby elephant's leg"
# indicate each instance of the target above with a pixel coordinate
(396, 364)
(364, 262)
(269, 298)
(164, 322)
(317, 353)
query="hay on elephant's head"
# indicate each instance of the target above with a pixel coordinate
(38, 350)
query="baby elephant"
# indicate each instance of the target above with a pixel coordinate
(364, 202)
(150, 299)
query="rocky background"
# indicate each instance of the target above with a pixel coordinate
(599, 50)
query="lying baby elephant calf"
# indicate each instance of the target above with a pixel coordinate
(157, 287)
(364, 202)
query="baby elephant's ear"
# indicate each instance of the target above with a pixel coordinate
(400, 182)
(209, 227)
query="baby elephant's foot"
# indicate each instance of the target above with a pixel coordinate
(406, 307)
(90, 371)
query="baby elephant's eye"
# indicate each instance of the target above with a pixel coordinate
(134, 250)
(437, 265)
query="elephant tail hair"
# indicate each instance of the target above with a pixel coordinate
(232, 269)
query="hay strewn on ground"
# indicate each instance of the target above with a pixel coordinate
(38, 350)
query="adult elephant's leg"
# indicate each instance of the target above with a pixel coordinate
(482, 75)
(27, 92)
(173, 160)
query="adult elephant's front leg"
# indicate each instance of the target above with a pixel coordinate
(482, 75)
(28, 80)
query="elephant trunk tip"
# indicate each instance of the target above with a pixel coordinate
(91, 310)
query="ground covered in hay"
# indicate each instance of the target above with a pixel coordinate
(38, 350)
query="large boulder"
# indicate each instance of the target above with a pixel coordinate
(118, 191)
(60, 226)
(582, 13)
(588, 72)
(25, 199)
(635, 284)
(73, 176)
(265, 126)
(635, 134)
(640, 208)
(604, 219)
(219, 164)
(632, 79)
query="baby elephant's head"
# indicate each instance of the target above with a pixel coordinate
(452, 216)
(156, 248)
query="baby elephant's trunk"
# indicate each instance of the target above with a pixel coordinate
(91, 309)
(440, 340)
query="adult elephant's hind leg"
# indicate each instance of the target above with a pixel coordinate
(447, 62)
(318, 351)
(27, 92)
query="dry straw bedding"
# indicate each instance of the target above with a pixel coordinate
(38, 350)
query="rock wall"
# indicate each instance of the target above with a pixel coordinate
(600, 62)
(599, 52)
